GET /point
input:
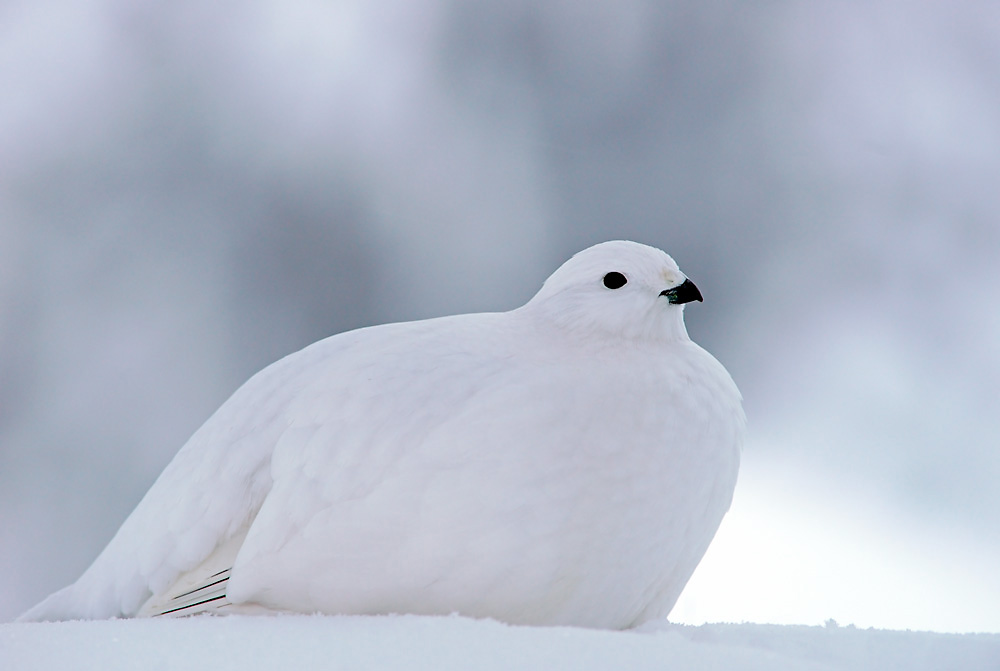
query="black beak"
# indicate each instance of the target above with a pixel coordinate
(685, 292)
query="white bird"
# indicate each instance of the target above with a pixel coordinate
(564, 463)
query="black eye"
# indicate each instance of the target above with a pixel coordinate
(614, 280)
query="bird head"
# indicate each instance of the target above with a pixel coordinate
(620, 288)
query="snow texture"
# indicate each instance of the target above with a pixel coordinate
(427, 642)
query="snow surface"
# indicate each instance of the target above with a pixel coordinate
(413, 643)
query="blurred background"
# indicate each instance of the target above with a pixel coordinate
(190, 190)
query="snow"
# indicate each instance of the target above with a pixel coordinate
(413, 643)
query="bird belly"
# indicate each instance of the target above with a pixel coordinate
(595, 532)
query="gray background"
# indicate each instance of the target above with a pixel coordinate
(189, 191)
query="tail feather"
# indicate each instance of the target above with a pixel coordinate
(210, 596)
(202, 589)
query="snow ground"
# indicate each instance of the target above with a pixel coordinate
(414, 643)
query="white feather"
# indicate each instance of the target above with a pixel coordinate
(567, 462)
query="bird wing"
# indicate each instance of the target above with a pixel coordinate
(324, 397)
(486, 485)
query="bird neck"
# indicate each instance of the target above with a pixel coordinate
(656, 327)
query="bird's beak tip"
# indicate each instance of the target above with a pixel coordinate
(685, 292)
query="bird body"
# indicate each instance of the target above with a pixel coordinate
(567, 462)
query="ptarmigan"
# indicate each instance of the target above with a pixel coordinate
(564, 463)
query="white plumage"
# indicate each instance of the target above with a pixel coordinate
(567, 462)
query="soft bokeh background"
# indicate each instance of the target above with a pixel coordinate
(190, 190)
